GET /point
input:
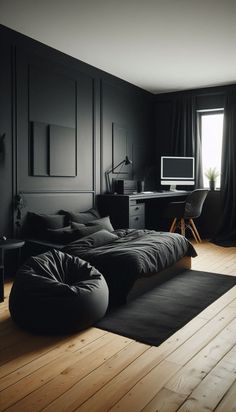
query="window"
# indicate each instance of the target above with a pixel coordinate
(211, 130)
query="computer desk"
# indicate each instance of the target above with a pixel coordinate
(137, 210)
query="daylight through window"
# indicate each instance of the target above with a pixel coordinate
(211, 129)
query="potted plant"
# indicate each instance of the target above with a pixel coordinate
(212, 173)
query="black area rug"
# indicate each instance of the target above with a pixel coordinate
(157, 314)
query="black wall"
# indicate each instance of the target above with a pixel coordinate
(65, 123)
(6, 130)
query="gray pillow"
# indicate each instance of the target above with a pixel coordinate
(100, 238)
(75, 225)
(93, 226)
(103, 222)
(82, 230)
(81, 217)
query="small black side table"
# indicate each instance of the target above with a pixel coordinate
(4, 245)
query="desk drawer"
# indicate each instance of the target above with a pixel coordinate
(137, 222)
(137, 209)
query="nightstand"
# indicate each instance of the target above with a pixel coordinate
(7, 244)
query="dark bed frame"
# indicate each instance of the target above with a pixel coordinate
(147, 283)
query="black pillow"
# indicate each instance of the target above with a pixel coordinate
(80, 217)
(103, 222)
(63, 235)
(38, 223)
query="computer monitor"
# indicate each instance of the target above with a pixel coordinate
(176, 170)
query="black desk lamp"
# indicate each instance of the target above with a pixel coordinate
(126, 161)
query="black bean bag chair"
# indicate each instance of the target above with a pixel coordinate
(57, 293)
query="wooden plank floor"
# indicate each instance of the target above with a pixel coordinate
(194, 370)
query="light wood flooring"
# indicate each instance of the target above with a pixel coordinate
(194, 370)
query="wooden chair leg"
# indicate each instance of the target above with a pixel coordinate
(173, 226)
(194, 234)
(182, 226)
(195, 230)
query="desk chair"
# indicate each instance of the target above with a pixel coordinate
(183, 213)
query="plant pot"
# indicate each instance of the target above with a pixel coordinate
(212, 184)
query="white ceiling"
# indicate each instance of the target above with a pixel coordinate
(158, 45)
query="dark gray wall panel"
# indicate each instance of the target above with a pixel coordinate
(38, 147)
(60, 98)
(86, 147)
(62, 151)
(53, 202)
(52, 96)
(132, 116)
(121, 147)
(6, 129)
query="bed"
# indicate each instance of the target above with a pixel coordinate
(128, 255)
(131, 260)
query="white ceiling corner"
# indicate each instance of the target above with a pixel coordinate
(158, 45)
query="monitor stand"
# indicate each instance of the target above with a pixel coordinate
(173, 188)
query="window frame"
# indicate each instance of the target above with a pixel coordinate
(206, 112)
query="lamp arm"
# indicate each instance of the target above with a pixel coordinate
(107, 173)
(114, 168)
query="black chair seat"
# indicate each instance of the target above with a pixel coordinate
(175, 209)
(183, 213)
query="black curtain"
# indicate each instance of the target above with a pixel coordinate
(226, 234)
(185, 140)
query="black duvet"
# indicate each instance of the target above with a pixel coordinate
(127, 254)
